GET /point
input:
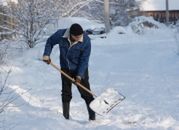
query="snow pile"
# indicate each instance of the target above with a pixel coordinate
(142, 23)
(106, 101)
(144, 68)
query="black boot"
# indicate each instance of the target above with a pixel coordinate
(66, 110)
(91, 113)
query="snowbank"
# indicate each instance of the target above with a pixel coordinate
(144, 68)
(142, 23)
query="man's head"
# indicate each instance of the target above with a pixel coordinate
(76, 32)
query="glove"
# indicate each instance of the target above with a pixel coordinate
(47, 59)
(77, 79)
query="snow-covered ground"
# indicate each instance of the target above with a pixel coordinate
(142, 67)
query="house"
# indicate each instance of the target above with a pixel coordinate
(157, 9)
(7, 24)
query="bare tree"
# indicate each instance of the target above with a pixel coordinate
(32, 16)
(121, 11)
(3, 52)
(7, 97)
(70, 7)
(94, 10)
(4, 100)
(6, 28)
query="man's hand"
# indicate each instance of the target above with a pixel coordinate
(77, 79)
(47, 59)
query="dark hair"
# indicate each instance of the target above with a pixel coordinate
(76, 29)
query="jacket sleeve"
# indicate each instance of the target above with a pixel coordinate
(84, 59)
(51, 41)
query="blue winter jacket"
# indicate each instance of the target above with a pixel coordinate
(73, 57)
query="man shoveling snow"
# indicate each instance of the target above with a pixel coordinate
(75, 49)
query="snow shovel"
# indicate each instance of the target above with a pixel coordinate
(101, 104)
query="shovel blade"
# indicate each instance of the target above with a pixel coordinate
(106, 101)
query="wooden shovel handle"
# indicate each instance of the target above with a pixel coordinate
(72, 79)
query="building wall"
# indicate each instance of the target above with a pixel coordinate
(161, 15)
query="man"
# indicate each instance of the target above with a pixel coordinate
(75, 47)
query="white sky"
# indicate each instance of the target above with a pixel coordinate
(159, 5)
(4, 1)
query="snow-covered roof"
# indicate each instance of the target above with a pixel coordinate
(152, 5)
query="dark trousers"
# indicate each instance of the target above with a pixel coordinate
(67, 87)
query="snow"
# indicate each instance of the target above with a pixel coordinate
(144, 68)
(151, 5)
(105, 102)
